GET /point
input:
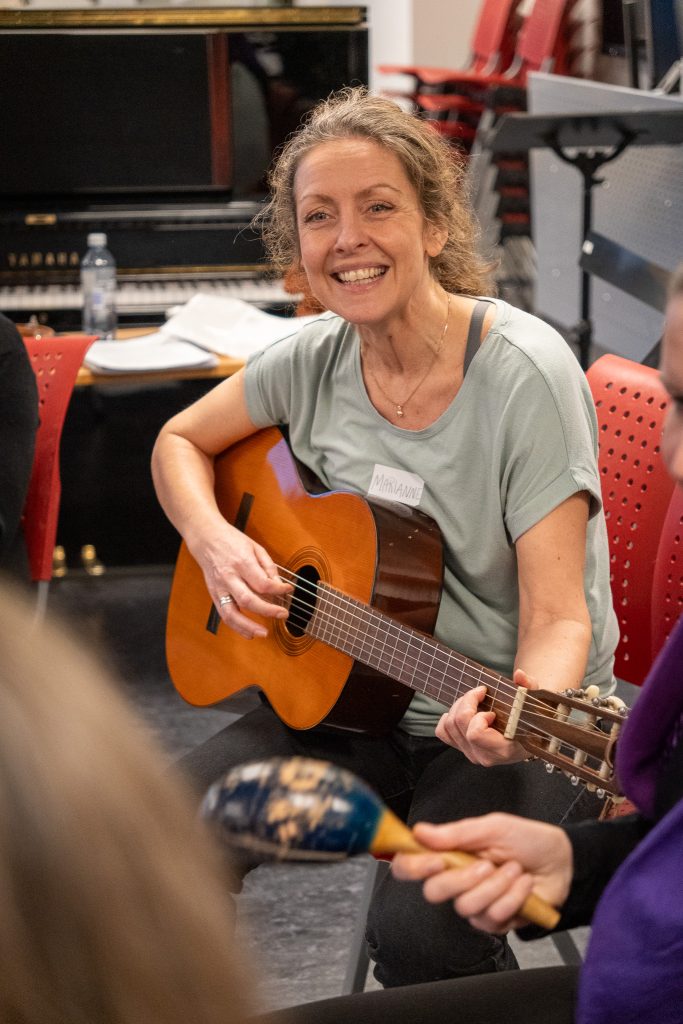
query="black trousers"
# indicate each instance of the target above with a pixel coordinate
(420, 779)
(545, 995)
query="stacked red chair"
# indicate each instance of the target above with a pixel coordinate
(464, 104)
(455, 99)
(491, 52)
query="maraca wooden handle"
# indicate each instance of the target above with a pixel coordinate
(392, 836)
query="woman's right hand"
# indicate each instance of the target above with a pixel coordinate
(235, 566)
(517, 856)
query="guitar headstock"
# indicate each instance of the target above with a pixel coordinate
(575, 730)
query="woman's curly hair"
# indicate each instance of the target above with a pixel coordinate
(435, 169)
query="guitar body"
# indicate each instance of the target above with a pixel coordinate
(383, 554)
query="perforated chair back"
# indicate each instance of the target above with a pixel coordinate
(636, 491)
(55, 362)
(667, 590)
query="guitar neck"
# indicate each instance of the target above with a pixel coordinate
(423, 664)
(401, 653)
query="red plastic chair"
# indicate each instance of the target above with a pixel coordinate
(667, 590)
(56, 362)
(637, 490)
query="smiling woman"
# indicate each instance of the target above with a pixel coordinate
(423, 386)
(366, 247)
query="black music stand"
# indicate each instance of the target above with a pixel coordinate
(596, 139)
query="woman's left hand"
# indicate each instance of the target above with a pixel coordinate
(471, 731)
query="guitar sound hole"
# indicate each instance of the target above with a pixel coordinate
(303, 600)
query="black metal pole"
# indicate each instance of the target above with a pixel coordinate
(587, 223)
(584, 329)
(587, 164)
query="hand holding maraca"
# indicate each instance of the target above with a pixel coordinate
(303, 809)
(513, 858)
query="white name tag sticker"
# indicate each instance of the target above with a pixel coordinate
(396, 485)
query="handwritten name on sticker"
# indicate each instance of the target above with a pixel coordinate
(396, 485)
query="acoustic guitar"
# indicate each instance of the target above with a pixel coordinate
(357, 644)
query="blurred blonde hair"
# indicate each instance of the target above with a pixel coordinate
(434, 168)
(113, 903)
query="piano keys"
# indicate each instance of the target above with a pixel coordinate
(153, 296)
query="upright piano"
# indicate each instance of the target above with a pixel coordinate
(158, 127)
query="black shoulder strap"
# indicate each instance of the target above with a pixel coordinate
(474, 333)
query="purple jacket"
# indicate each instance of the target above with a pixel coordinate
(634, 963)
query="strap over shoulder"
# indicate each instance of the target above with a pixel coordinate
(474, 333)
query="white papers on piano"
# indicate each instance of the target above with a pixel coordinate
(152, 353)
(231, 327)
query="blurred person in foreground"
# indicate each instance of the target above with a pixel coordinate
(113, 906)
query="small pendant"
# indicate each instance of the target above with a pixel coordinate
(399, 410)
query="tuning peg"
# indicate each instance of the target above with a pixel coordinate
(615, 703)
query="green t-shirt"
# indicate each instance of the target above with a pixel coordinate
(517, 440)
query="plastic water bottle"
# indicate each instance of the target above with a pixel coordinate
(98, 284)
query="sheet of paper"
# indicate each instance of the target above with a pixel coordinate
(149, 354)
(231, 327)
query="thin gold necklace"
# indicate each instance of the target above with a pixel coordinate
(400, 406)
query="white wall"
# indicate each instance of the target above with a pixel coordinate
(442, 30)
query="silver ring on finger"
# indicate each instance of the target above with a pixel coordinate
(226, 599)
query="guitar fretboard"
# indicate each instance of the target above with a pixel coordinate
(412, 658)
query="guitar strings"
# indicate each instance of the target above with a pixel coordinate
(453, 657)
(534, 722)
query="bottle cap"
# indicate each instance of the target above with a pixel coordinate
(97, 238)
